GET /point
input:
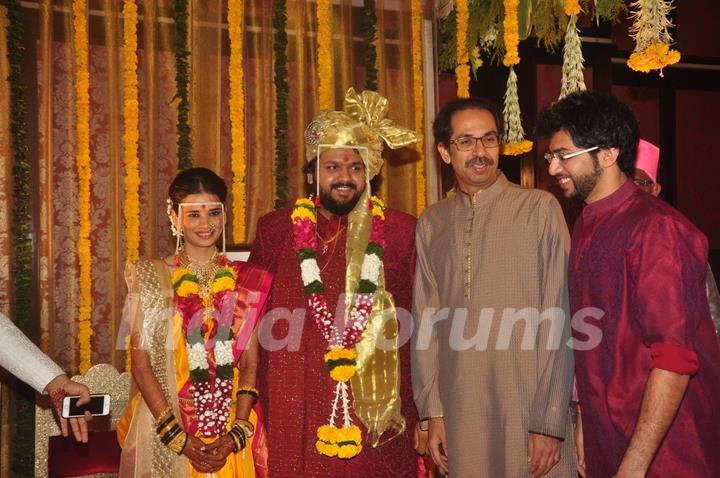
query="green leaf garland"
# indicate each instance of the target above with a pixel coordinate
(22, 460)
(370, 37)
(182, 81)
(282, 89)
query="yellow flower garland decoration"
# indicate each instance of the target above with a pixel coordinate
(418, 93)
(325, 60)
(131, 133)
(130, 138)
(462, 69)
(650, 27)
(572, 7)
(82, 113)
(237, 117)
(514, 142)
(510, 33)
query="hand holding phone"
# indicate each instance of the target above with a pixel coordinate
(99, 405)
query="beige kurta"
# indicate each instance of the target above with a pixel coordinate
(486, 258)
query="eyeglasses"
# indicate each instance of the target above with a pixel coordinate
(550, 157)
(469, 143)
(643, 183)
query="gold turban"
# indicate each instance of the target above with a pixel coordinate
(362, 124)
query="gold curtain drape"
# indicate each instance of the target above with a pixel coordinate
(49, 31)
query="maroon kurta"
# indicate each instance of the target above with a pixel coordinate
(296, 390)
(643, 264)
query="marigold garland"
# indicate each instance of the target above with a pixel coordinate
(131, 134)
(650, 27)
(324, 55)
(340, 359)
(237, 117)
(572, 7)
(419, 96)
(514, 142)
(462, 70)
(207, 329)
(511, 35)
(82, 124)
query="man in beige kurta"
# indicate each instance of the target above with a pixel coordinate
(492, 367)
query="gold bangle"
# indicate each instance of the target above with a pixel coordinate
(163, 415)
(246, 426)
(166, 425)
(177, 444)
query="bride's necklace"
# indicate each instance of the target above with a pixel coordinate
(204, 271)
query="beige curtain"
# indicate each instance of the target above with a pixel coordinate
(50, 34)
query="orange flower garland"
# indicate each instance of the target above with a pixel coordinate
(462, 69)
(131, 134)
(572, 7)
(418, 94)
(325, 60)
(237, 117)
(511, 35)
(514, 142)
(82, 120)
(650, 30)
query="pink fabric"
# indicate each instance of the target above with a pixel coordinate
(674, 358)
(66, 457)
(648, 156)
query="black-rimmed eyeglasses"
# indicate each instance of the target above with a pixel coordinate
(469, 143)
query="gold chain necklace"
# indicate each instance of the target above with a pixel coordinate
(204, 271)
(326, 242)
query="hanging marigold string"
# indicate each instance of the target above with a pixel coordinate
(572, 7)
(82, 125)
(325, 60)
(462, 69)
(514, 142)
(131, 134)
(419, 96)
(650, 30)
(510, 33)
(237, 118)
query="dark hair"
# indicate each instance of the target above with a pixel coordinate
(594, 119)
(195, 181)
(311, 167)
(442, 126)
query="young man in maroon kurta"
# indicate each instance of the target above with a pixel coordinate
(295, 388)
(647, 363)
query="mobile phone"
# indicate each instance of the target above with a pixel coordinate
(99, 405)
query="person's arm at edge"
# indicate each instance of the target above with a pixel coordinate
(663, 394)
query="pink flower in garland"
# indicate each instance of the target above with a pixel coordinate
(305, 235)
